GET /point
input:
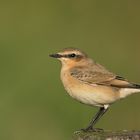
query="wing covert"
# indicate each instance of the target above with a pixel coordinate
(91, 76)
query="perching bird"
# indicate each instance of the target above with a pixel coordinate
(90, 83)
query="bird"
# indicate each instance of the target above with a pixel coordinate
(90, 83)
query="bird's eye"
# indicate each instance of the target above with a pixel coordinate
(72, 55)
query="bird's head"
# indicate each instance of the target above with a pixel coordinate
(70, 56)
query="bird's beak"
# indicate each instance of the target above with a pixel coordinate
(55, 55)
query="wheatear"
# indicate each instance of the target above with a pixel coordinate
(90, 83)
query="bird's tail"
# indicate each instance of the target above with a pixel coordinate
(134, 88)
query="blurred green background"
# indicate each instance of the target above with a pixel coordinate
(33, 102)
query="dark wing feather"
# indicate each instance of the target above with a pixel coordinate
(123, 83)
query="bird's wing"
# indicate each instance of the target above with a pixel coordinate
(91, 75)
(100, 77)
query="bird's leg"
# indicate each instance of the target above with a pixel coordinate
(94, 120)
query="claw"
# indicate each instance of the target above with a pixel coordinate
(91, 129)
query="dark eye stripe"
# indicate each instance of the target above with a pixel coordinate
(72, 55)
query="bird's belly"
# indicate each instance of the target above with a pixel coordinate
(94, 95)
(85, 97)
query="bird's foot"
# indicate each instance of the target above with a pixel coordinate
(91, 129)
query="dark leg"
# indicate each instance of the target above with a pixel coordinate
(94, 120)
